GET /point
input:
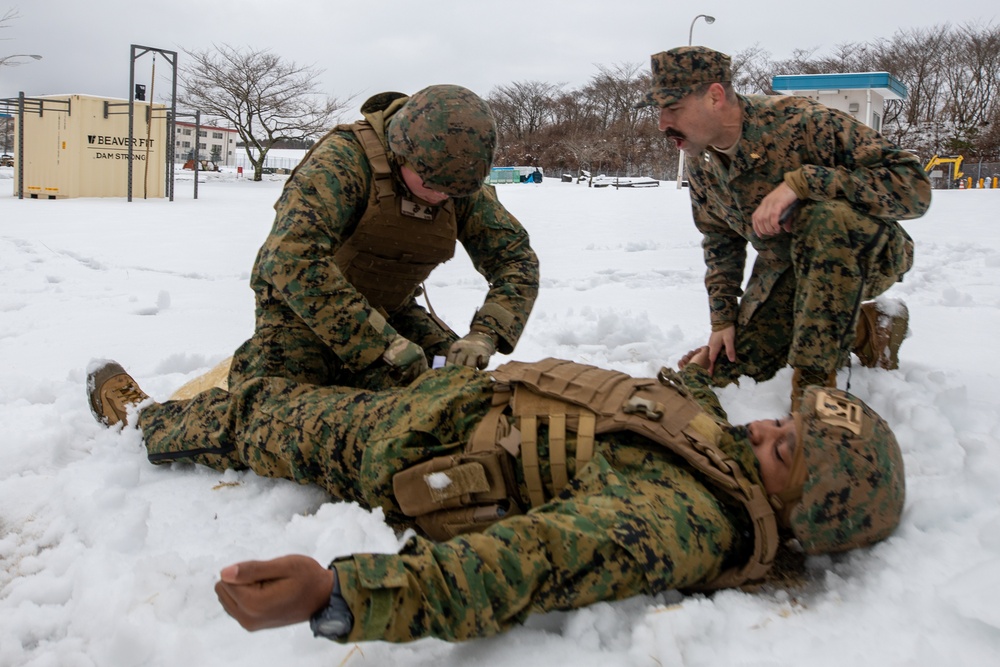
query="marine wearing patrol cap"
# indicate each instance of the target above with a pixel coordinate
(679, 71)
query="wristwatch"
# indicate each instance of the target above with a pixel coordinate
(335, 620)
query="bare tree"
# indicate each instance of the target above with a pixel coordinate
(526, 134)
(13, 60)
(585, 150)
(572, 120)
(753, 71)
(523, 107)
(953, 105)
(989, 141)
(265, 98)
(615, 90)
(6, 122)
(972, 71)
(6, 18)
(801, 62)
(915, 58)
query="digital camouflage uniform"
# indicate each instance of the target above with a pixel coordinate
(801, 303)
(634, 520)
(313, 325)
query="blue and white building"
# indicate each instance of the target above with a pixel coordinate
(861, 95)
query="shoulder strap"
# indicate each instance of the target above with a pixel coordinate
(375, 111)
(379, 160)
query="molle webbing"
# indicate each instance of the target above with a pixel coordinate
(530, 409)
(592, 400)
(391, 251)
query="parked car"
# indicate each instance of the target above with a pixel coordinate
(6, 160)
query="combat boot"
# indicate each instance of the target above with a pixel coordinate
(879, 335)
(807, 377)
(111, 392)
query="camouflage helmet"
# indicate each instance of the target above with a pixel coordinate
(854, 487)
(447, 135)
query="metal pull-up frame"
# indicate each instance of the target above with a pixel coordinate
(137, 52)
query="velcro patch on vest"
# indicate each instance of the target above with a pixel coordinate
(447, 482)
(412, 209)
(467, 478)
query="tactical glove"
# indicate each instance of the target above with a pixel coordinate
(474, 350)
(406, 358)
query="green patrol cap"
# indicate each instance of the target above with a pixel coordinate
(448, 135)
(854, 489)
(679, 71)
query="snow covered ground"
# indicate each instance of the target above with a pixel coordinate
(108, 560)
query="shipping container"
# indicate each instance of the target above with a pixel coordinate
(78, 146)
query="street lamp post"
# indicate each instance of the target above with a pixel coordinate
(708, 19)
(680, 156)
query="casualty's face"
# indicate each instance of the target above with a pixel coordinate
(774, 443)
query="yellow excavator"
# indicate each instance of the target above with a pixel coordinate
(956, 165)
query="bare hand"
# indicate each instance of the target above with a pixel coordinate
(274, 593)
(719, 340)
(767, 218)
(698, 356)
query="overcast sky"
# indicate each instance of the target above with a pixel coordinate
(411, 44)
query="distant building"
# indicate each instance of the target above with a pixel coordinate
(861, 95)
(217, 144)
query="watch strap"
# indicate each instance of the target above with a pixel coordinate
(335, 620)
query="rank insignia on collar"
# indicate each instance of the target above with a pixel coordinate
(754, 156)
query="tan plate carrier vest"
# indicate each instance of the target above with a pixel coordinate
(398, 241)
(451, 495)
